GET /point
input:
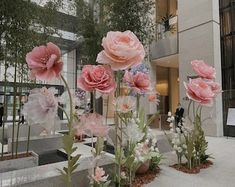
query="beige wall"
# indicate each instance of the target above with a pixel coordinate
(199, 38)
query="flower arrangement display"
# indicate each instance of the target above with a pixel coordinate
(120, 63)
(124, 53)
(189, 140)
(45, 64)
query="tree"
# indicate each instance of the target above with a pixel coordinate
(23, 26)
(133, 15)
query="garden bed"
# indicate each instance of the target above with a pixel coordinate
(195, 170)
(142, 179)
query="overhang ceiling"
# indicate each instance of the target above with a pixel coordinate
(171, 61)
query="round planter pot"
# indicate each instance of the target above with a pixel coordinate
(143, 168)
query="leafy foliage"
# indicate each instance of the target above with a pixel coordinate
(134, 15)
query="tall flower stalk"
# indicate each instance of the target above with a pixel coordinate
(45, 63)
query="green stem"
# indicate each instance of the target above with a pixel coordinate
(70, 136)
(28, 140)
(137, 105)
(118, 142)
(106, 118)
(189, 106)
(94, 101)
(194, 109)
(66, 114)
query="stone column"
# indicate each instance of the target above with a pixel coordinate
(199, 38)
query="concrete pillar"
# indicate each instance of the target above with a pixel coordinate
(199, 38)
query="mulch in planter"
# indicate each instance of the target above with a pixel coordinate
(185, 169)
(142, 179)
(20, 155)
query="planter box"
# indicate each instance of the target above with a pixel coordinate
(19, 163)
(38, 144)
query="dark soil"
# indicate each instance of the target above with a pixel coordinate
(142, 179)
(21, 155)
(185, 169)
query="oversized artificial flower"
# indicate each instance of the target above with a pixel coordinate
(97, 78)
(94, 124)
(216, 88)
(134, 133)
(203, 70)
(121, 50)
(139, 82)
(153, 97)
(125, 104)
(45, 62)
(198, 90)
(41, 106)
(99, 176)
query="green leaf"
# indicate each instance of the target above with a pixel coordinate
(68, 143)
(73, 149)
(74, 160)
(65, 170)
(74, 167)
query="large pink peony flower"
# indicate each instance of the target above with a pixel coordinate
(41, 106)
(139, 82)
(93, 124)
(198, 90)
(44, 62)
(203, 70)
(121, 50)
(97, 78)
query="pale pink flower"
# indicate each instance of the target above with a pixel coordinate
(216, 88)
(198, 90)
(41, 106)
(44, 62)
(139, 82)
(121, 50)
(99, 176)
(125, 104)
(152, 97)
(97, 78)
(79, 131)
(94, 124)
(203, 70)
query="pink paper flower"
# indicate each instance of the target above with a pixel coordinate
(121, 50)
(139, 82)
(198, 90)
(41, 106)
(203, 70)
(44, 62)
(94, 124)
(153, 97)
(99, 78)
(99, 176)
(215, 87)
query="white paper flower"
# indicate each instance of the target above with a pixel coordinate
(41, 106)
(125, 104)
(133, 132)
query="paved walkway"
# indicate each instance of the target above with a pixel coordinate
(221, 174)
